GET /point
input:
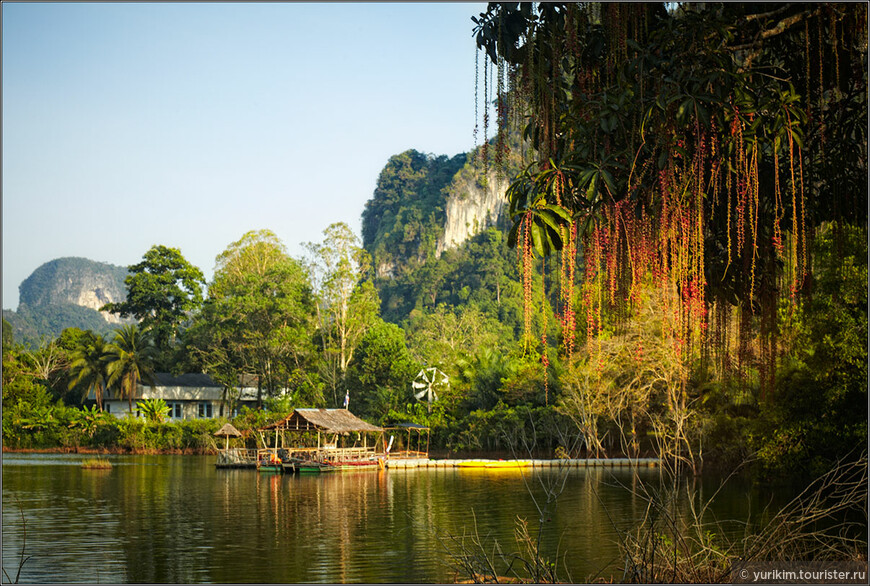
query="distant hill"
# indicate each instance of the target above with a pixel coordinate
(436, 230)
(63, 293)
(424, 205)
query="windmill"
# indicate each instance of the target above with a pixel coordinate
(429, 379)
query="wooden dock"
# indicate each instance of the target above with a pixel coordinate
(334, 429)
(248, 459)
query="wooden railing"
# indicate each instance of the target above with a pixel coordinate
(244, 457)
(345, 454)
(237, 457)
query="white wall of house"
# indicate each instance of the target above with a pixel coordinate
(185, 402)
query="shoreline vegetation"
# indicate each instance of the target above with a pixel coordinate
(112, 451)
(116, 451)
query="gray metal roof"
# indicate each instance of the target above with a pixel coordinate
(189, 379)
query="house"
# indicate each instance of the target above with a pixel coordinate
(188, 396)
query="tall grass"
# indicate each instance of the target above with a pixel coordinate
(96, 464)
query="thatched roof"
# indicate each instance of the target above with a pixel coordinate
(228, 430)
(329, 420)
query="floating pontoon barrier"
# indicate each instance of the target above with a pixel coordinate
(405, 463)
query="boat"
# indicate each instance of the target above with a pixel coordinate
(313, 467)
(269, 462)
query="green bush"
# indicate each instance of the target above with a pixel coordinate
(199, 433)
(132, 434)
(520, 430)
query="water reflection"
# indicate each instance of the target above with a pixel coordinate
(175, 519)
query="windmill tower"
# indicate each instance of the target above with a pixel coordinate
(426, 383)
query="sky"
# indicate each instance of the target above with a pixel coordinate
(127, 125)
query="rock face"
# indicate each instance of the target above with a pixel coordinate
(424, 205)
(472, 207)
(76, 281)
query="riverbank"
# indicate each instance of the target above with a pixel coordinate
(436, 460)
(114, 451)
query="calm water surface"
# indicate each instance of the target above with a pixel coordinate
(176, 519)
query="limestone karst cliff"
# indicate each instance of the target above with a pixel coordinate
(66, 292)
(78, 281)
(424, 205)
(472, 206)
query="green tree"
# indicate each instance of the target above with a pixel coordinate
(18, 380)
(252, 254)
(818, 412)
(346, 305)
(379, 379)
(162, 291)
(210, 348)
(8, 336)
(213, 341)
(88, 364)
(71, 338)
(264, 317)
(130, 359)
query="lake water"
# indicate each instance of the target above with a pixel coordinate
(177, 519)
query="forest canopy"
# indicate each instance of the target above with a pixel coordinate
(699, 147)
(681, 271)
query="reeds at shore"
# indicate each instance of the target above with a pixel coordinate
(96, 464)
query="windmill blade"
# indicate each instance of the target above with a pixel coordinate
(425, 381)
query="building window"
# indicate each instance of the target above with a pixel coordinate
(108, 407)
(205, 410)
(174, 410)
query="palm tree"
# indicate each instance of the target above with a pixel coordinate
(131, 356)
(88, 367)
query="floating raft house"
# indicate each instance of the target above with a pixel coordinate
(319, 440)
(322, 440)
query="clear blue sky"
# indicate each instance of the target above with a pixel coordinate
(129, 125)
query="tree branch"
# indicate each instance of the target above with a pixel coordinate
(763, 15)
(781, 27)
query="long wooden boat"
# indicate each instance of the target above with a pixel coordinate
(355, 464)
(312, 467)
